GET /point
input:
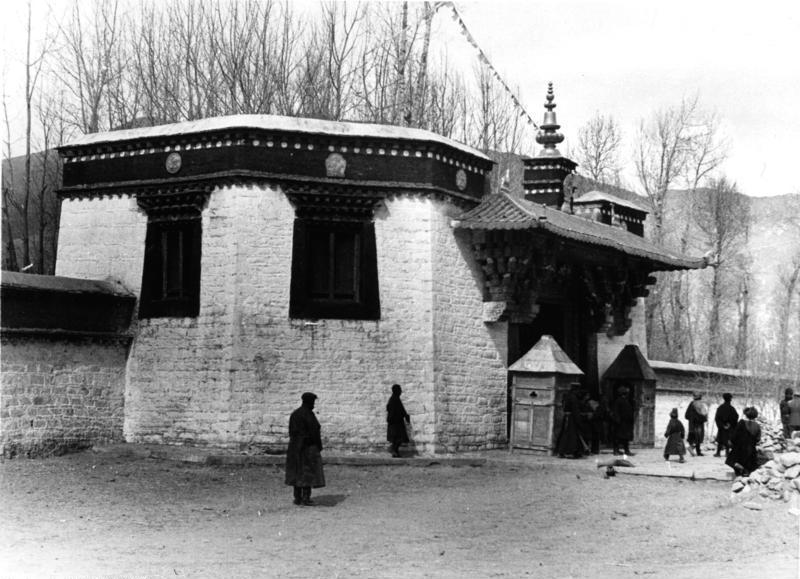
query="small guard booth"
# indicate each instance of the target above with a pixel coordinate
(630, 368)
(539, 380)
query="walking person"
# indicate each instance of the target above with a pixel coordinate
(743, 458)
(622, 414)
(696, 415)
(303, 458)
(675, 434)
(788, 395)
(396, 418)
(726, 419)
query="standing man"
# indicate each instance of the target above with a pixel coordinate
(788, 394)
(726, 419)
(697, 416)
(303, 458)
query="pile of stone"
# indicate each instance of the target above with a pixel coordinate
(779, 477)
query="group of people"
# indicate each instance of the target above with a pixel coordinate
(304, 455)
(738, 438)
(587, 422)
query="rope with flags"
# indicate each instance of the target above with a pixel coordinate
(485, 61)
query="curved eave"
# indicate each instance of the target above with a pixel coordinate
(503, 212)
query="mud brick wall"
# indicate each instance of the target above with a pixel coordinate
(60, 394)
(231, 376)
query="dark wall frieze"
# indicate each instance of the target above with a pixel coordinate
(246, 153)
(288, 182)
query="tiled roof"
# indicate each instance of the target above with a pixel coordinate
(503, 211)
(596, 196)
(630, 364)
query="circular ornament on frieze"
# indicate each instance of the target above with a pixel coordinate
(335, 165)
(461, 180)
(173, 163)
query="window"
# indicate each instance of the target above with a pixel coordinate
(334, 270)
(171, 277)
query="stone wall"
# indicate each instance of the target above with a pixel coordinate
(59, 395)
(231, 376)
(469, 361)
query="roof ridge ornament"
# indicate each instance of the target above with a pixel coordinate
(548, 135)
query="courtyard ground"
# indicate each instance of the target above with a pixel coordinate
(123, 514)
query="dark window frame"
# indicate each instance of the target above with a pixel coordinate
(175, 241)
(309, 239)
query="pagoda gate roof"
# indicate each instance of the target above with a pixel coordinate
(505, 212)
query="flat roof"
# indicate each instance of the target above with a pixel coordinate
(273, 123)
(596, 196)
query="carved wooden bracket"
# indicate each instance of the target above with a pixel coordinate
(518, 268)
(505, 258)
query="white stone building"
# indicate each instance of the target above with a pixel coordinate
(270, 256)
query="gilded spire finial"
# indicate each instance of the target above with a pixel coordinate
(548, 135)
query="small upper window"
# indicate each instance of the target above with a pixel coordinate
(334, 270)
(171, 277)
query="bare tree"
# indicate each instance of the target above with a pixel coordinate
(10, 260)
(787, 306)
(676, 147)
(723, 218)
(19, 196)
(87, 63)
(661, 154)
(597, 153)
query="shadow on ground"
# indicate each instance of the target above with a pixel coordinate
(328, 500)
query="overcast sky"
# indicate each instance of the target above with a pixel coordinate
(630, 58)
(626, 58)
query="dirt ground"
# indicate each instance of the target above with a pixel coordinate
(93, 515)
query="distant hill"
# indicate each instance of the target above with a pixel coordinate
(774, 237)
(43, 212)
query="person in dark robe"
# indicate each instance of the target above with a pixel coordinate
(587, 411)
(303, 458)
(788, 396)
(597, 418)
(743, 458)
(603, 416)
(726, 419)
(396, 418)
(675, 434)
(622, 414)
(794, 413)
(696, 415)
(570, 442)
